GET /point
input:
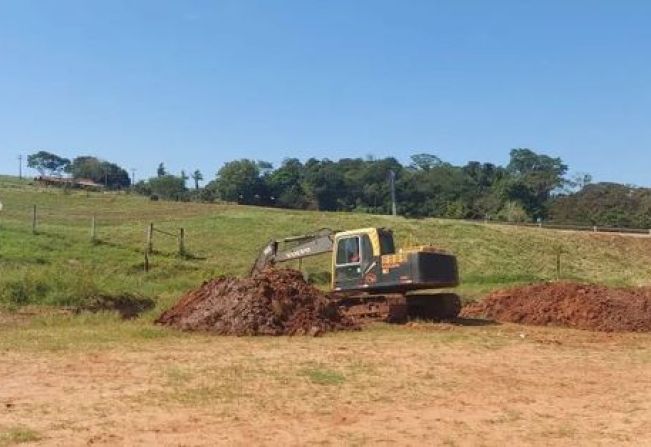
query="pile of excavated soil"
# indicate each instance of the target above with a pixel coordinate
(581, 306)
(274, 302)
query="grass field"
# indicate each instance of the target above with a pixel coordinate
(60, 265)
(94, 379)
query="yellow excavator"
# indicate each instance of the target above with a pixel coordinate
(370, 279)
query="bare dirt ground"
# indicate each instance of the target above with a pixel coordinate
(435, 384)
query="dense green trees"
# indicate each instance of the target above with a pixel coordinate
(166, 186)
(531, 186)
(286, 185)
(608, 204)
(83, 167)
(427, 186)
(99, 171)
(240, 181)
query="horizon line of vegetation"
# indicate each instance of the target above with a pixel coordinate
(531, 187)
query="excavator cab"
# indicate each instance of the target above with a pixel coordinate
(356, 252)
(366, 259)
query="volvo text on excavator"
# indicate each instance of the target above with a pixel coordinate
(370, 279)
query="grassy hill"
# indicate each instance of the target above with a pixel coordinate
(61, 266)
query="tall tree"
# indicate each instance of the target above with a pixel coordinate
(239, 181)
(325, 183)
(160, 171)
(424, 162)
(533, 178)
(440, 190)
(47, 162)
(285, 184)
(264, 167)
(197, 176)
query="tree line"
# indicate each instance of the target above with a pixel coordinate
(102, 172)
(531, 187)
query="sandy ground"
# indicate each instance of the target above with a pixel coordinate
(432, 384)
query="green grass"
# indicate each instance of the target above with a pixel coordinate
(17, 435)
(60, 266)
(323, 376)
(57, 333)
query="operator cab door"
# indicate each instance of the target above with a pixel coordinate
(353, 256)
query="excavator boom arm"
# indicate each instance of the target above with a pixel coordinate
(296, 247)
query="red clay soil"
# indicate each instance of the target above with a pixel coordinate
(274, 302)
(581, 306)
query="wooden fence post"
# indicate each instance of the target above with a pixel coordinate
(146, 263)
(181, 241)
(92, 229)
(558, 265)
(34, 220)
(150, 236)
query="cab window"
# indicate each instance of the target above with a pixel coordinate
(348, 251)
(386, 243)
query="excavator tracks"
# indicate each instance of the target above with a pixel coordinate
(434, 306)
(398, 308)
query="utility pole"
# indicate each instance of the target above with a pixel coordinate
(133, 176)
(392, 184)
(20, 166)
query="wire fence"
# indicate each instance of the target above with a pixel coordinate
(571, 227)
(161, 233)
(162, 237)
(42, 215)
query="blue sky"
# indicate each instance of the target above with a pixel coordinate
(197, 83)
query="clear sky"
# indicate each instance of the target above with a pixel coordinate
(197, 83)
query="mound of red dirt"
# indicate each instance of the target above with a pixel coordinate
(274, 302)
(581, 306)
